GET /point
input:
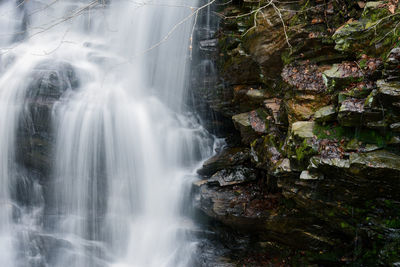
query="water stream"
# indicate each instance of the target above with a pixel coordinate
(98, 149)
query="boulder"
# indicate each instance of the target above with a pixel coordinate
(381, 164)
(46, 85)
(325, 114)
(307, 175)
(301, 144)
(370, 33)
(251, 124)
(236, 175)
(389, 92)
(274, 106)
(341, 75)
(266, 42)
(303, 129)
(351, 112)
(240, 68)
(392, 65)
(247, 208)
(229, 157)
(395, 127)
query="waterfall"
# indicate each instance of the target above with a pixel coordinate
(98, 148)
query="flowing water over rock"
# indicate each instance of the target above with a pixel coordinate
(98, 151)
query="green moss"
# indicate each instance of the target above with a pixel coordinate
(344, 225)
(372, 137)
(393, 223)
(287, 57)
(304, 151)
(362, 135)
(363, 63)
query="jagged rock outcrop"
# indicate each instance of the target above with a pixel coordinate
(49, 80)
(321, 119)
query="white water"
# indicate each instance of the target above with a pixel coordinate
(124, 149)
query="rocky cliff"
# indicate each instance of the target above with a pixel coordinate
(307, 94)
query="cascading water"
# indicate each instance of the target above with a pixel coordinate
(93, 132)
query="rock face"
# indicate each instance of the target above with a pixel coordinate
(318, 122)
(49, 81)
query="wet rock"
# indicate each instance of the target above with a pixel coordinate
(48, 82)
(283, 168)
(354, 112)
(236, 175)
(392, 65)
(301, 144)
(368, 34)
(35, 152)
(325, 114)
(266, 151)
(301, 107)
(246, 208)
(258, 121)
(355, 145)
(376, 125)
(243, 124)
(274, 105)
(255, 95)
(240, 68)
(389, 91)
(379, 164)
(317, 163)
(251, 124)
(235, 205)
(395, 127)
(303, 129)
(227, 158)
(248, 98)
(304, 77)
(349, 35)
(209, 45)
(306, 175)
(341, 75)
(351, 112)
(267, 41)
(306, 94)
(359, 90)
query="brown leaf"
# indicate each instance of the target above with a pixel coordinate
(317, 20)
(392, 8)
(361, 4)
(347, 22)
(312, 35)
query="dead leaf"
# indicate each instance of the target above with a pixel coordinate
(317, 20)
(392, 8)
(361, 4)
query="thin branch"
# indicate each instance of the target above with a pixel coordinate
(176, 26)
(64, 19)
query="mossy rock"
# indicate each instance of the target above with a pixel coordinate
(374, 34)
(389, 91)
(379, 164)
(251, 124)
(303, 129)
(325, 114)
(336, 78)
(300, 144)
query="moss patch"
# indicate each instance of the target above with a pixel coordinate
(338, 132)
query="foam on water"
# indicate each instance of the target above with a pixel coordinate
(124, 149)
